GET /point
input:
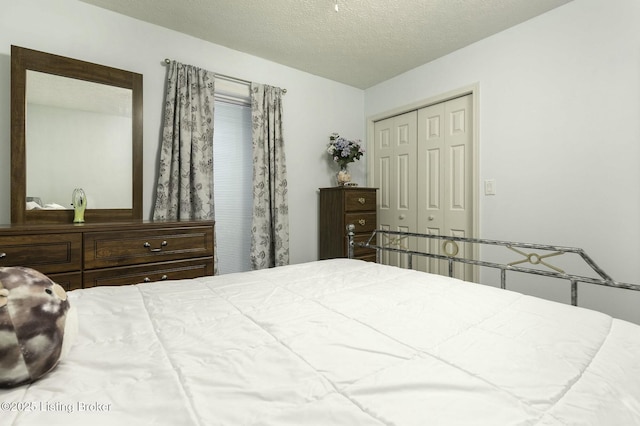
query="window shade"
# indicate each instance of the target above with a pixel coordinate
(232, 185)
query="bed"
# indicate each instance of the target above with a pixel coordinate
(334, 342)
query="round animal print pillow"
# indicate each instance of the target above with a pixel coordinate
(37, 325)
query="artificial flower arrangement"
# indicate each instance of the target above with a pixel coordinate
(344, 151)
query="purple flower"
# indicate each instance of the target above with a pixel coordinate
(344, 151)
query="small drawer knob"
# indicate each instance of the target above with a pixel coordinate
(362, 200)
(3, 255)
(147, 280)
(362, 222)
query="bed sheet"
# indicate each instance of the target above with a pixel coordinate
(334, 342)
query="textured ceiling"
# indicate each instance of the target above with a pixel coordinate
(366, 42)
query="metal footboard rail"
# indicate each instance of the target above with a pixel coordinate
(450, 248)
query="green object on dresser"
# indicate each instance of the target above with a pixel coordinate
(79, 202)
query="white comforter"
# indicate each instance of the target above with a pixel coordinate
(334, 342)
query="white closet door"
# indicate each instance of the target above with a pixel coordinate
(445, 196)
(395, 141)
(431, 186)
(424, 175)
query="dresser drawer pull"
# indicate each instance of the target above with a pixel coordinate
(362, 222)
(362, 200)
(155, 250)
(162, 278)
(3, 255)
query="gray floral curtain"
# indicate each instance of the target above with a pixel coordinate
(270, 227)
(185, 171)
(185, 180)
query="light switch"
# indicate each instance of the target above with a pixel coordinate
(490, 187)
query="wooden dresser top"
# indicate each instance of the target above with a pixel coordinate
(9, 229)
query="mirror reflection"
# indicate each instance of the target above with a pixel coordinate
(80, 136)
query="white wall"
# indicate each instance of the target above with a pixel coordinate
(314, 107)
(559, 131)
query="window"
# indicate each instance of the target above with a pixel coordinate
(232, 170)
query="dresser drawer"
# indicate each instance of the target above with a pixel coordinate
(47, 253)
(364, 222)
(69, 281)
(357, 200)
(360, 252)
(107, 249)
(151, 272)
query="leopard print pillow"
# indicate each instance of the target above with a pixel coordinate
(34, 323)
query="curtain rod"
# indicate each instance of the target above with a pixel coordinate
(227, 77)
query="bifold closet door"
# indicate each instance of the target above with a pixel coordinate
(445, 199)
(395, 150)
(424, 175)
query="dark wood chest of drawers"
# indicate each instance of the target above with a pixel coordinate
(89, 255)
(339, 207)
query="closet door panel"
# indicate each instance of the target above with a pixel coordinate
(445, 179)
(458, 197)
(395, 142)
(383, 159)
(431, 183)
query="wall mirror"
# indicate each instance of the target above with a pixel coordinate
(74, 124)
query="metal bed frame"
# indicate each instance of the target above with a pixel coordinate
(450, 247)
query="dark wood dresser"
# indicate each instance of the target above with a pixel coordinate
(340, 206)
(118, 253)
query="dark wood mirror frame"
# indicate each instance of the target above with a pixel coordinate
(23, 59)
